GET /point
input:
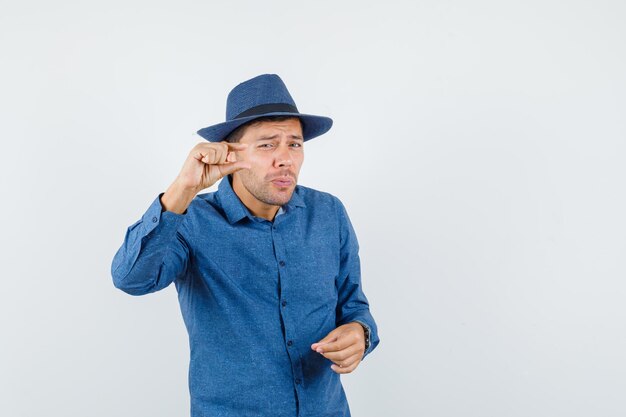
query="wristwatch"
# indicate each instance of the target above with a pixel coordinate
(367, 334)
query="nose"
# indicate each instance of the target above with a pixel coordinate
(282, 158)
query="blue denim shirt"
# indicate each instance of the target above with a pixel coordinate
(254, 296)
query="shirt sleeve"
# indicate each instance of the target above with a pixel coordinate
(153, 253)
(352, 304)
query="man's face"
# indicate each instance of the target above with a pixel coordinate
(276, 153)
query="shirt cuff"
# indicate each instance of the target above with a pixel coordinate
(156, 215)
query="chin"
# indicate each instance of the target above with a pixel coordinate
(281, 199)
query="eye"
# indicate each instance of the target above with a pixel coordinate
(265, 145)
(297, 145)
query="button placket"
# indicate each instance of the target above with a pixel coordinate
(290, 334)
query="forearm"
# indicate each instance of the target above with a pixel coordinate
(177, 198)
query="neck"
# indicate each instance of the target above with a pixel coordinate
(256, 207)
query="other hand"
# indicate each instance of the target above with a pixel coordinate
(344, 346)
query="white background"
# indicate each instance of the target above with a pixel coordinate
(478, 146)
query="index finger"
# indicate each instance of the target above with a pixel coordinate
(235, 146)
(336, 346)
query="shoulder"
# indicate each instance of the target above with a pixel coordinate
(202, 200)
(203, 207)
(318, 199)
(328, 209)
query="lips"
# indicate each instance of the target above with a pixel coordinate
(282, 182)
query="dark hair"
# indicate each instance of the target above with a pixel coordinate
(237, 134)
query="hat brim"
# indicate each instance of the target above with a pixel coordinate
(312, 126)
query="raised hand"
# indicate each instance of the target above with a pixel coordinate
(206, 164)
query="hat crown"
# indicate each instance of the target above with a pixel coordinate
(258, 91)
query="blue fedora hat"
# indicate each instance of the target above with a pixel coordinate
(263, 95)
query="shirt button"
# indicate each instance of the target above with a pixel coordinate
(284, 303)
(282, 263)
(289, 343)
(298, 381)
(154, 220)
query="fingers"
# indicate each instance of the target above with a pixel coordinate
(230, 167)
(343, 354)
(340, 338)
(331, 337)
(346, 366)
(213, 156)
(236, 146)
(217, 152)
(333, 345)
(344, 348)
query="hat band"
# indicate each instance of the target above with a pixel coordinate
(268, 108)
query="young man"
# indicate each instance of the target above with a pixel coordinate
(267, 271)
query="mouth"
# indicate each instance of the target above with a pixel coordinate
(282, 182)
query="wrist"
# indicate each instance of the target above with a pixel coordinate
(366, 333)
(177, 198)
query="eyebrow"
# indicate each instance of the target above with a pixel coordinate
(275, 136)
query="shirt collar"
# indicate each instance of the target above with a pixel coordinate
(235, 210)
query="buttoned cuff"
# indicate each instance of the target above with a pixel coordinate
(156, 216)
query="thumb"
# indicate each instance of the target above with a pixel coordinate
(330, 337)
(230, 167)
